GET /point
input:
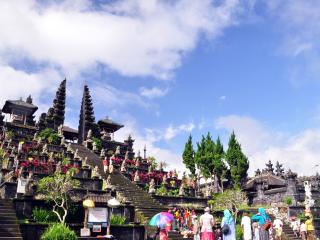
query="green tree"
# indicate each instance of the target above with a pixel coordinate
(56, 188)
(188, 156)
(231, 199)
(201, 157)
(219, 166)
(238, 162)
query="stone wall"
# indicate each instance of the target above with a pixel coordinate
(176, 201)
(33, 231)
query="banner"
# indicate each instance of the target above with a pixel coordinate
(98, 215)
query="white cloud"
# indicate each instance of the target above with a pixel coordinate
(222, 98)
(299, 23)
(161, 154)
(107, 94)
(299, 152)
(16, 84)
(172, 131)
(153, 92)
(132, 37)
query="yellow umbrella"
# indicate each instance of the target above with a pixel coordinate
(88, 203)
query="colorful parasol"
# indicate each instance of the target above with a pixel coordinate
(161, 219)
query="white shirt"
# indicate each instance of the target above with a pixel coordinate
(303, 227)
(277, 223)
(246, 224)
(206, 221)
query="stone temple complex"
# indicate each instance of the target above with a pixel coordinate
(31, 150)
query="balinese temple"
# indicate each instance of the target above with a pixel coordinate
(21, 116)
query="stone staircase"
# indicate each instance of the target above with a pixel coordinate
(144, 204)
(9, 226)
(287, 230)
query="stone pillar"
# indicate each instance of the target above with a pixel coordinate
(292, 187)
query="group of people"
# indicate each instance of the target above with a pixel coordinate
(257, 227)
(303, 228)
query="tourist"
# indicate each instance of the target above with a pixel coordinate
(246, 226)
(163, 233)
(255, 231)
(264, 222)
(196, 228)
(228, 226)
(303, 230)
(277, 224)
(206, 223)
(310, 228)
(154, 235)
(295, 225)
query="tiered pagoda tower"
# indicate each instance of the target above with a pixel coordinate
(55, 116)
(87, 120)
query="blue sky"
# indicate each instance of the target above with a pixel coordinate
(169, 69)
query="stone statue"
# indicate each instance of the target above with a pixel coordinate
(108, 182)
(85, 162)
(208, 191)
(76, 154)
(309, 202)
(137, 163)
(60, 130)
(127, 155)
(58, 168)
(111, 166)
(20, 174)
(150, 168)
(105, 135)
(117, 153)
(279, 169)
(45, 149)
(181, 191)
(63, 141)
(152, 189)
(164, 179)
(29, 185)
(35, 136)
(123, 166)
(258, 172)
(89, 134)
(103, 153)
(20, 147)
(69, 149)
(136, 177)
(95, 172)
(94, 146)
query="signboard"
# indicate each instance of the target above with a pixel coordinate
(85, 232)
(96, 228)
(21, 185)
(98, 215)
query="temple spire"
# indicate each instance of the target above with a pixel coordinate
(87, 120)
(59, 105)
(55, 115)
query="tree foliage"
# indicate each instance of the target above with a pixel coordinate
(237, 161)
(231, 199)
(188, 156)
(56, 188)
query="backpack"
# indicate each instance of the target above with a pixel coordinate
(225, 229)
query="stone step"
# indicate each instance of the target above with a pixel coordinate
(10, 238)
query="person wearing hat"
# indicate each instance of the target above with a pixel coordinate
(206, 223)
